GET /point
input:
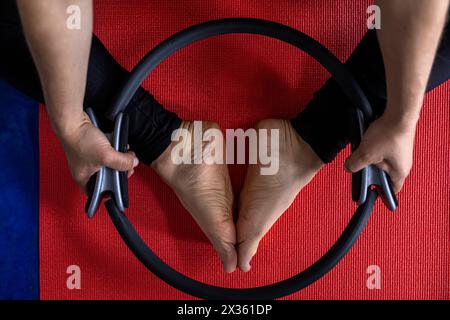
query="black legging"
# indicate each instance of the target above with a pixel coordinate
(323, 124)
(151, 125)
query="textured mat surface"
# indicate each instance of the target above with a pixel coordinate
(237, 80)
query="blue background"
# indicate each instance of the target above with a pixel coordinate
(19, 195)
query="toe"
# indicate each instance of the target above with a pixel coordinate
(246, 250)
(228, 256)
(223, 237)
(249, 234)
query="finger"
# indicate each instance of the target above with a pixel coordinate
(120, 161)
(83, 180)
(397, 182)
(131, 172)
(358, 160)
(397, 179)
(384, 166)
(398, 186)
(87, 185)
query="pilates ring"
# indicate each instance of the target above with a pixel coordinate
(367, 184)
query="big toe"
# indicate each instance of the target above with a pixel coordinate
(227, 253)
(246, 250)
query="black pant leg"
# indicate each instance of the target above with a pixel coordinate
(151, 125)
(323, 123)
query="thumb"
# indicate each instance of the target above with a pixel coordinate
(120, 161)
(358, 160)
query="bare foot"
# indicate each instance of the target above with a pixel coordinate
(205, 191)
(264, 198)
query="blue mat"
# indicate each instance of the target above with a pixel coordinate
(19, 195)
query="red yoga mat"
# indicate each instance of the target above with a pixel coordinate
(237, 80)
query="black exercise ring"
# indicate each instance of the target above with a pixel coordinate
(367, 184)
